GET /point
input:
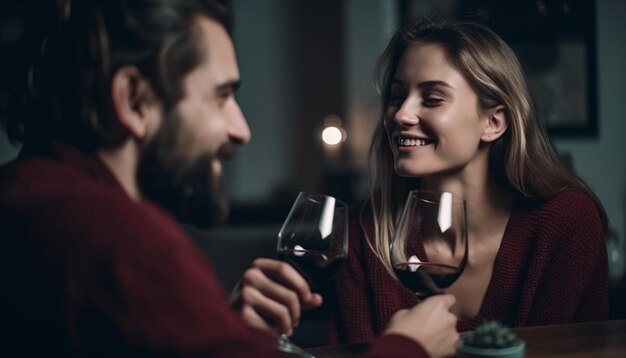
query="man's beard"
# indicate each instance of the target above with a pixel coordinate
(187, 187)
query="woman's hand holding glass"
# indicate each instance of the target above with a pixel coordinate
(430, 323)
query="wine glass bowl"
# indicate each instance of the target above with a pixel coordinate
(429, 247)
(313, 238)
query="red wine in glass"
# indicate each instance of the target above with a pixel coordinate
(315, 266)
(429, 247)
(427, 279)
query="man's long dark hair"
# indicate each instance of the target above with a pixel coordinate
(70, 51)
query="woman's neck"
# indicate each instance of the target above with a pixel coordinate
(488, 205)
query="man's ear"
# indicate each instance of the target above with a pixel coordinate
(496, 124)
(133, 100)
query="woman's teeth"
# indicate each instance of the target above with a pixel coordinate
(406, 142)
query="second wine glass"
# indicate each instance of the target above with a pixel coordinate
(429, 247)
(314, 240)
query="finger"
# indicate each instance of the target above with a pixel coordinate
(254, 320)
(448, 299)
(274, 291)
(402, 312)
(315, 301)
(291, 279)
(274, 313)
(284, 273)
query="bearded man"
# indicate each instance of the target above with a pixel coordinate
(126, 112)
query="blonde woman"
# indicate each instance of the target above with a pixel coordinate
(458, 116)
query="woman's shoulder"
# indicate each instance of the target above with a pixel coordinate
(568, 214)
(568, 203)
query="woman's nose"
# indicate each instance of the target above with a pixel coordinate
(406, 114)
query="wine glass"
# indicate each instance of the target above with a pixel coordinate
(314, 240)
(429, 247)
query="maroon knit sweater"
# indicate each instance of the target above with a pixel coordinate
(86, 271)
(551, 268)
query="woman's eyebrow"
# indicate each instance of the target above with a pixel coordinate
(429, 84)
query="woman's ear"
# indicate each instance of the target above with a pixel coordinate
(496, 124)
(132, 100)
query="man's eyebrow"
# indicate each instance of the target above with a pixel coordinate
(229, 85)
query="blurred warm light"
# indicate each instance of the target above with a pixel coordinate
(332, 135)
(333, 132)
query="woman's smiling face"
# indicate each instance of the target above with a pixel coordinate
(433, 120)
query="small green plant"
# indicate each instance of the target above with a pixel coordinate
(491, 334)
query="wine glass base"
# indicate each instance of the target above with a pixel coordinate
(291, 349)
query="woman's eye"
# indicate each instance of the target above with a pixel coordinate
(432, 101)
(396, 99)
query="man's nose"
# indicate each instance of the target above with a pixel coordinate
(239, 130)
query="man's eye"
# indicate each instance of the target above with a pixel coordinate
(223, 97)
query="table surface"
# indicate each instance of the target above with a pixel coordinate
(591, 339)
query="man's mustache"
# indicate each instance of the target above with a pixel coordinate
(227, 151)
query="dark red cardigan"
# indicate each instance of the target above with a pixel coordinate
(551, 268)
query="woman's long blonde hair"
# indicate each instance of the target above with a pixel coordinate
(523, 160)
